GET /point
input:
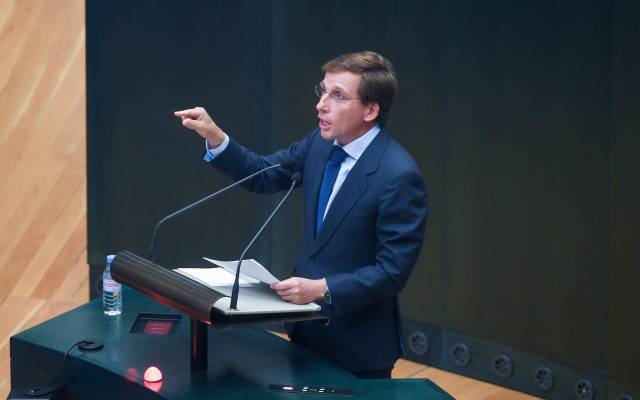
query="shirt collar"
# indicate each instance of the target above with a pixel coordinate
(355, 148)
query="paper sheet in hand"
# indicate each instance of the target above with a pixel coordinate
(250, 269)
(255, 296)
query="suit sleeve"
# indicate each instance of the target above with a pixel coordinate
(402, 216)
(237, 161)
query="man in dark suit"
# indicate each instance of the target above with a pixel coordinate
(365, 213)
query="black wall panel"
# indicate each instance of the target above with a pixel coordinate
(623, 333)
(526, 205)
(522, 116)
(146, 59)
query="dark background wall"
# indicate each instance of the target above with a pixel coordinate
(521, 115)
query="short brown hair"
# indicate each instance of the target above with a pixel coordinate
(378, 84)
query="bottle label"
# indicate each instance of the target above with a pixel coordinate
(110, 286)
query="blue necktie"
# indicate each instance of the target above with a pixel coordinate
(331, 170)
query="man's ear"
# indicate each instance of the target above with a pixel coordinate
(371, 112)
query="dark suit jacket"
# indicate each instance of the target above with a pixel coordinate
(366, 247)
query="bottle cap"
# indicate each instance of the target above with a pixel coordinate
(110, 258)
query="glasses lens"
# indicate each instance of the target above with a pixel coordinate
(318, 90)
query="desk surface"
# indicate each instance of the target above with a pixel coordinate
(243, 362)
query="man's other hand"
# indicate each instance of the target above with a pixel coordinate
(198, 120)
(300, 290)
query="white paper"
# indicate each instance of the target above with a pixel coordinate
(250, 269)
(254, 296)
(215, 277)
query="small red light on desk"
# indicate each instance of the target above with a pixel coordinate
(152, 374)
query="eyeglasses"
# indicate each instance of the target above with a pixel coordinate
(336, 94)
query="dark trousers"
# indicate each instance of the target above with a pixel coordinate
(384, 373)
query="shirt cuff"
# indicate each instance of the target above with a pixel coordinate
(213, 152)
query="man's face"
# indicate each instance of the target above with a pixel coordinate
(348, 119)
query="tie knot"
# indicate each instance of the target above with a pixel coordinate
(337, 155)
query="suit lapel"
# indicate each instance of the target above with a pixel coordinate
(351, 190)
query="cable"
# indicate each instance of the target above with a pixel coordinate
(87, 345)
(64, 362)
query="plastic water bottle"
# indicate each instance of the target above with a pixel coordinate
(111, 291)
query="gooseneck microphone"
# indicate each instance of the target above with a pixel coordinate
(291, 165)
(295, 178)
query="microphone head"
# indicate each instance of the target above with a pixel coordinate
(290, 165)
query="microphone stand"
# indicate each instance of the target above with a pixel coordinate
(152, 247)
(295, 177)
(199, 343)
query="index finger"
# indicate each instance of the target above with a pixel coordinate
(189, 113)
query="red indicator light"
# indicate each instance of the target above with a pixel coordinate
(152, 374)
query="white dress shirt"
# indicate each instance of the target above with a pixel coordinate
(354, 150)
